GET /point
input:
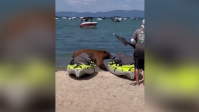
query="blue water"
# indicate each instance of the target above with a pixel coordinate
(69, 37)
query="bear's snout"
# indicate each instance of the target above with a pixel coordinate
(110, 56)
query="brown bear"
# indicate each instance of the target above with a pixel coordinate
(97, 56)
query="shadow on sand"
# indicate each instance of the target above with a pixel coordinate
(140, 78)
(84, 77)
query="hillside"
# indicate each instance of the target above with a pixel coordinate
(122, 13)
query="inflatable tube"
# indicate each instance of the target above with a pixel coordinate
(80, 70)
(125, 70)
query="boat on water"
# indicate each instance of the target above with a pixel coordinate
(116, 18)
(133, 18)
(125, 18)
(87, 22)
(101, 18)
(70, 18)
(64, 17)
(56, 17)
(119, 18)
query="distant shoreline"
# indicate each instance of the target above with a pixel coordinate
(99, 11)
(107, 17)
(122, 13)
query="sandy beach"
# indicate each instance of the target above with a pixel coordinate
(101, 92)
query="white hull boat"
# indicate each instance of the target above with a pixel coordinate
(99, 19)
(81, 72)
(85, 23)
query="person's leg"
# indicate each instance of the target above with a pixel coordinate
(137, 76)
(143, 72)
(136, 72)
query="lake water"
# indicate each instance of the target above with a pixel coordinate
(69, 37)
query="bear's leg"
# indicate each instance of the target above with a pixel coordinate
(101, 65)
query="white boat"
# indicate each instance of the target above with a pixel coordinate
(85, 23)
(99, 19)
(116, 18)
(70, 18)
(64, 17)
(119, 18)
(124, 18)
(133, 18)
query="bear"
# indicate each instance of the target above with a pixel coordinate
(97, 56)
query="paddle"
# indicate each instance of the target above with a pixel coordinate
(123, 40)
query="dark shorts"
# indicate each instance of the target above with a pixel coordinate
(139, 63)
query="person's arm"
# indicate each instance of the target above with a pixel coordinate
(134, 38)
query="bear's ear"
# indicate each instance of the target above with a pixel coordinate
(105, 52)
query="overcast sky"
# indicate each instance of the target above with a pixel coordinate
(98, 5)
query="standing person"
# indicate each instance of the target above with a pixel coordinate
(138, 40)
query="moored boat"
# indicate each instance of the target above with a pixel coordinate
(64, 17)
(101, 18)
(116, 18)
(81, 17)
(87, 22)
(133, 18)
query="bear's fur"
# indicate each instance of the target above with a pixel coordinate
(97, 56)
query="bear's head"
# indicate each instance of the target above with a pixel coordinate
(107, 55)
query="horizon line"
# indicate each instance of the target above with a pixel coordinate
(99, 11)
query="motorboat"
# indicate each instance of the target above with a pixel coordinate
(119, 18)
(125, 18)
(133, 18)
(70, 18)
(56, 17)
(87, 22)
(104, 17)
(64, 17)
(81, 17)
(116, 18)
(101, 18)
